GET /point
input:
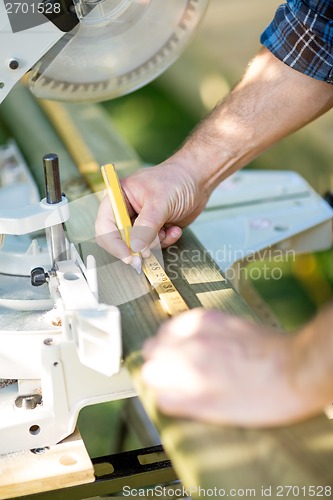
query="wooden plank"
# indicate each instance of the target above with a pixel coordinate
(38, 134)
(211, 456)
(204, 455)
(62, 465)
(79, 127)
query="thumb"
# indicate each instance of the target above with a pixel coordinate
(146, 226)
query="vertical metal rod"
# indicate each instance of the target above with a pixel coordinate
(52, 178)
(56, 234)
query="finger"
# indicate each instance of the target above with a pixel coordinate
(197, 407)
(149, 347)
(169, 373)
(155, 244)
(107, 234)
(176, 404)
(161, 235)
(179, 390)
(147, 226)
(183, 326)
(172, 235)
(172, 333)
(113, 244)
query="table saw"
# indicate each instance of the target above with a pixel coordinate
(62, 364)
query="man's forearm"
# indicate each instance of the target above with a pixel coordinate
(270, 102)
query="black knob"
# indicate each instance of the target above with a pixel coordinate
(38, 276)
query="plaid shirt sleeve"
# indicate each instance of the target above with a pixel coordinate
(301, 35)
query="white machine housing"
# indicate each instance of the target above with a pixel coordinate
(72, 357)
(256, 213)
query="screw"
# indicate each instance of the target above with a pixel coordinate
(13, 64)
(39, 451)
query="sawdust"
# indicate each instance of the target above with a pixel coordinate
(52, 317)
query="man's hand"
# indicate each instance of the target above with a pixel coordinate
(160, 200)
(210, 366)
(271, 101)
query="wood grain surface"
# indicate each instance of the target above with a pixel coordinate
(62, 465)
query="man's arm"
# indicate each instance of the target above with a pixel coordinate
(271, 101)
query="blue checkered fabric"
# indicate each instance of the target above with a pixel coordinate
(301, 35)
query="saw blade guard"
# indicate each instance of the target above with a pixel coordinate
(117, 47)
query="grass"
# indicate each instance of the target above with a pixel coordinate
(101, 427)
(152, 122)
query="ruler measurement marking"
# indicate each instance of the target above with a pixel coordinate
(171, 300)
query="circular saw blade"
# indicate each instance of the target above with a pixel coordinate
(119, 46)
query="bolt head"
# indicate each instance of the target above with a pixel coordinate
(13, 64)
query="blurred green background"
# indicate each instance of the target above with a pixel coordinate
(155, 121)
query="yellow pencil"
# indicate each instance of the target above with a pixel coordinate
(119, 208)
(171, 300)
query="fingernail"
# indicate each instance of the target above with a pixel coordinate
(161, 235)
(176, 232)
(136, 263)
(127, 260)
(145, 253)
(138, 245)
